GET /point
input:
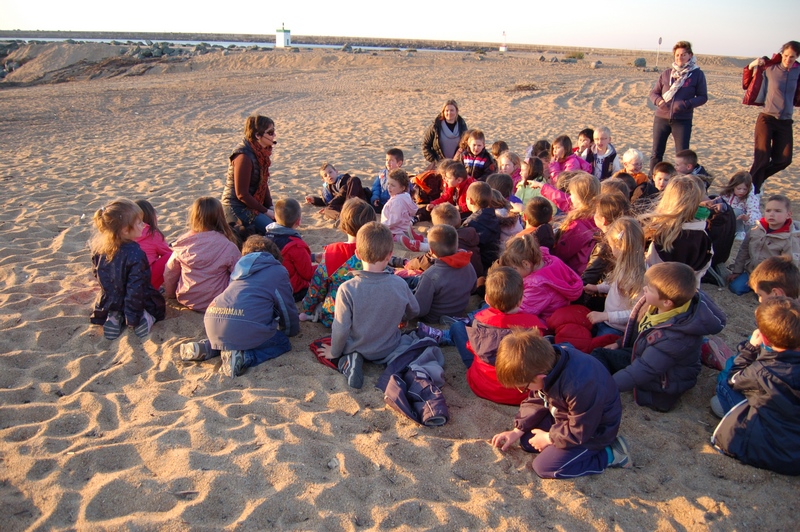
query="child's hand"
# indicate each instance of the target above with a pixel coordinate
(429, 207)
(733, 276)
(591, 289)
(376, 203)
(535, 184)
(743, 217)
(615, 345)
(305, 317)
(506, 439)
(597, 317)
(541, 440)
(756, 339)
(309, 199)
(325, 351)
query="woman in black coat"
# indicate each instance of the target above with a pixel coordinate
(441, 139)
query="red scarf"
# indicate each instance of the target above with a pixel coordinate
(785, 228)
(262, 155)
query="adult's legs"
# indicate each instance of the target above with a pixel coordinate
(762, 150)
(661, 132)
(272, 348)
(781, 153)
(681, 134)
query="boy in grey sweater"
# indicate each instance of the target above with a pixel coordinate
(369, 307)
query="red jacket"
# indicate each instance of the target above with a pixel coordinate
(457, 196)
(753, 81)
(491, 326)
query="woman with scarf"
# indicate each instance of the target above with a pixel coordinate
(677, 92)
(775, 85)
(442, 138)
(246, 198)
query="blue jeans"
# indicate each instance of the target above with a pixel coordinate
(603, 328)
(243, 214)
(740, 286)
(458, 335)
(681, 131)
(272, 348)
(728, 397)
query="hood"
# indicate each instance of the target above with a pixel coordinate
(253, 263)
(200, 250)
(457, 260)
(703, 318)
(557, 275)
(279, 229)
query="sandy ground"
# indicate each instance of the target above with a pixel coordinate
(97, 434)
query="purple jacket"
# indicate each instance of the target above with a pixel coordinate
(693, 94)
(581, 397)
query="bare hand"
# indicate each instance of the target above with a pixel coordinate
(733, 276)
(535, 184)
(506, 439)
(615, 345)
(541, 440)
(743, 217)
(597, 317)
(309, 199)
(429, 207)
(305, 317)
(325, 351)
(591, 289)
(756, 339)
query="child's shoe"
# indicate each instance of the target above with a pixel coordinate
(145, 324)
(411, 245)
(619, 450)
(351, 367)
(449, 320)
(426, 331)
(417, 236)
(740, 235)
(112, 328)
(232, 363)
(194, 352)
(716, 407)
(715, 353)
(398, 262)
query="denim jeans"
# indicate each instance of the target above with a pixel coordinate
(272, 348)
(243, 214)
(740, 286)
(681, 131)
(728, 397)
(603, 328)
(458, 335)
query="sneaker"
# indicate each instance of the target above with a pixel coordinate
(232, 363)
(715, 353)
(411, 245)
(716, 407)
(193, 351)
(621, 454)
(740, 235)
(398, 262)
(449, 320)
(419, 237)
(112, 328)
(717, 275)
(145, 324)
(351, 367)
(426, 331)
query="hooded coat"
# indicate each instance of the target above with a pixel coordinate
(445, 287)
(549, 288)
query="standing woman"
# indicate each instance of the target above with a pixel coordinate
(441, 139)
(246, 198)
(773, 84)
(677, 92)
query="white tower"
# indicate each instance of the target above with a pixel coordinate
(283, 37)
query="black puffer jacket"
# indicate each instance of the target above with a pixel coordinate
(125, 286)
(431, 148)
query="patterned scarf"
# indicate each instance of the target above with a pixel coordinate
(679, 77)
(262, 155)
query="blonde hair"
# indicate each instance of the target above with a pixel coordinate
(511, 156)
(585, 187)
(206, 214)
(521, 248)
(627, 237)
(111, 221)
(678, 204)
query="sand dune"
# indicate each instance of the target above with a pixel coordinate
(97, 434)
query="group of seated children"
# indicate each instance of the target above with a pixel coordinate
(633, 282)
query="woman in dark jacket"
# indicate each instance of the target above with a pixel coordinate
(679, 89)
(246, 197)
(441, 139)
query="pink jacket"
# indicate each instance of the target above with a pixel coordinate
(398, 213)
(200, 268)
(560, 198)
(154, 246)
(571, 162)
(575, 244)
(549, 288)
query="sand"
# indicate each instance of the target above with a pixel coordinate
(97, 434)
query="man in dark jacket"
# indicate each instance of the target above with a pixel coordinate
(763, 429)
(573, 410)
(242, 323)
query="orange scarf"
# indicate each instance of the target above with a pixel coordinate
(262, 156)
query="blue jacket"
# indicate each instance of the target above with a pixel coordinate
(379, 191)
(257, 301)
(666, 358)
(764, 430)
(581, 397)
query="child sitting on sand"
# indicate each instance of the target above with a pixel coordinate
(336, 264)
(602, 156)
(398, 213)
(457, 182)
(741, 196)
(369, 308)
(296, 253)
(538, 214)
(478, 162)
(126, 295)
(509, 163)
(380, 190)
(244, 323)
(572, 413)
(337, 189)
(153, 243)
(203, 258)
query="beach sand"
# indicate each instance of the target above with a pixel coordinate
(122, 435)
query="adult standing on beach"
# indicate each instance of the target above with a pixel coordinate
(773, 83)
(679, 89)
(441, 139)
(246, 197)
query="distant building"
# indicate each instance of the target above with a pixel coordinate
(283, 38)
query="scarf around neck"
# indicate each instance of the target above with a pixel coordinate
(679, 76)
(262, 156)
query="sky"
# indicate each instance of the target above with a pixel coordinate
(721, 27)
